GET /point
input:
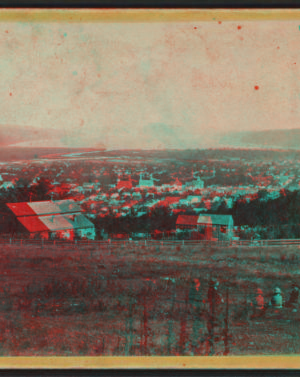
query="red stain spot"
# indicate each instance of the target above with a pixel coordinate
(6, 31)
(99, 75)
(256, 87)
(219, 22)
(10, 94)
(195, 27)
(239, 27)
(278, 47)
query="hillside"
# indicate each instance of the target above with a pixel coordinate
(284, 139)
(86, 301)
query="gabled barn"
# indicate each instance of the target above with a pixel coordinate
(216, 227)
(212, 227)
(49, 219)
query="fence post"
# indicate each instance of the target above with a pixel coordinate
(10, 240)
(226, 330)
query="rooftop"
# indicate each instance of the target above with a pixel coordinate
(47, 207)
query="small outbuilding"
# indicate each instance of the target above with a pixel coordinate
(212, 227)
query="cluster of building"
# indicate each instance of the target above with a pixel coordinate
(104, 189)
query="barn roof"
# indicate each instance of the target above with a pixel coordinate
(21, 209)
(79, 221)
(214, 219)
(186, 220)
(33, 224)
(46, 207)
(55, 223)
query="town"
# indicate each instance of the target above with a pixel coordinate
(152, 195)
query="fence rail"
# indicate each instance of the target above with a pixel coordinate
(116, 243)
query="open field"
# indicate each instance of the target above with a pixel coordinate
(141, 300)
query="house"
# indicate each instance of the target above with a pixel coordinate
(7, 185)
(177, 185)
(216, 227)
(150, 203)
(212, 227)
(169, 201)
(147, 182)
(194, 199)
(184, 202)
(196, 184)
(121, 184)
(136, 195)
(51, 219)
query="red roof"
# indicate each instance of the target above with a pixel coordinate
(186, 220)
(33, 224)
(178, 210)
(172, 199)
(46, 207)
(21, 209)
(169, 200)
(124, 184)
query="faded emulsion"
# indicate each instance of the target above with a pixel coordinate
(150, 188)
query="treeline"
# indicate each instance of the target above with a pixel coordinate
(265, 212)
(161, 219)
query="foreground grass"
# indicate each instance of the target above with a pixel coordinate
(140, 300)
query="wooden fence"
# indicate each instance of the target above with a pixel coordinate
(116, 243)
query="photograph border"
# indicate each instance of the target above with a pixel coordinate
(29, 15)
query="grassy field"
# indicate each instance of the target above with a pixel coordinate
(142, 300)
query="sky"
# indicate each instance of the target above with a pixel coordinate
(147, 85)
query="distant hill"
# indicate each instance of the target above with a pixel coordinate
(13, 134)
(21, 153)
(284, 139)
